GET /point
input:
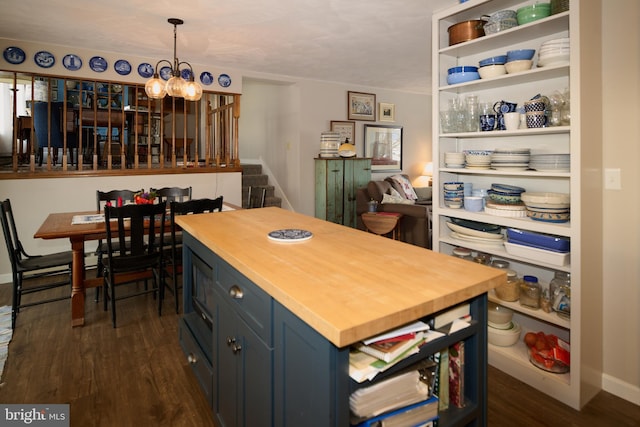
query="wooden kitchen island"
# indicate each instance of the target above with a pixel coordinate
(267, 325)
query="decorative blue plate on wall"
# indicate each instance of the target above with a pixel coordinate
(206, 78)
(186, 74)
(98, 64)
(145, 70)
(44, 59)
(72, 62)
(122, 67)
(14, 55)
(165, 72)
(224, 80)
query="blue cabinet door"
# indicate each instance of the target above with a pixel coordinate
(311, 375)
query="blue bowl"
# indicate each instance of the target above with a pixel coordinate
(462, 69)
(517, 55)
(494, 60)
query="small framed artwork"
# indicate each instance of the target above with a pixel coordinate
(361, 106)
(347, 130)
(383, 144)
(387, 112)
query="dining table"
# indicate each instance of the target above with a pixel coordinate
(80, 227)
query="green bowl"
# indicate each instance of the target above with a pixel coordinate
(533, 13)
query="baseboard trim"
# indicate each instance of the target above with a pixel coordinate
(622, 389)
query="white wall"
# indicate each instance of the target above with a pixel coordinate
(33, 199)
(282, 121)
(621, 232)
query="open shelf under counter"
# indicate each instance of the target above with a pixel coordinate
(530, 76)
(553, 24)
(540, 314)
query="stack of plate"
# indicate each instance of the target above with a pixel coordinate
(454, 160)
(554, 52)
(478, 159)
(510, 159)
(550, 162)
(547, 207)
(476, 232)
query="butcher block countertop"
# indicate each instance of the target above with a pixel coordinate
(345, 283)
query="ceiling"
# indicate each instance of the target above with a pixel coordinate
(384, 44)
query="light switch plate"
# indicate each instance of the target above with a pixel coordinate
(612, 179)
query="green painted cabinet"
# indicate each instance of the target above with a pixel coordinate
(337, 181)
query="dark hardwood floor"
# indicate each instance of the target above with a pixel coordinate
(137, 375)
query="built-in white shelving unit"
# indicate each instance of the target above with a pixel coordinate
(582, 139)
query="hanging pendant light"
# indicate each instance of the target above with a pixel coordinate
(176, 86)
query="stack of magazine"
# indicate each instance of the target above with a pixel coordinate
(377, 354)
(404, 399)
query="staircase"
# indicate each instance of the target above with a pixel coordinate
(253, 177)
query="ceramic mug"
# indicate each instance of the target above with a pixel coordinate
(512, 120)
(536, 120)
(487, 122)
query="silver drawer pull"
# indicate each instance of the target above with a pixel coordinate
(235, 292)
(230, 340)
(236, 348)
(192, 359)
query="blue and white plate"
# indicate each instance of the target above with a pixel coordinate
(290, 235)
(14, 55)
(165, 72)
(145, 70)
(122, 67)
(186, 74)
(206, 78)
(44, 59)
(224, 80)
(98, 64)
(72, 62)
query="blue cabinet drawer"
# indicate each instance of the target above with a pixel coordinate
(250, 302)
(197, 360)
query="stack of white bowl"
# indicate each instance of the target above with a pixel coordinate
(550, 162)
(478, 159)
(502, 330)
(554, 52)
(329, 144)
(454, 160)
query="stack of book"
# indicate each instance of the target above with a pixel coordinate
(5, 334)
(405, 399)
(377, 354)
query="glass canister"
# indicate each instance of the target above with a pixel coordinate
(463, 253)
(510, 291)
(530, 292)
(560, 293)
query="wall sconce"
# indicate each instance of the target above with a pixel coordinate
(176, 86)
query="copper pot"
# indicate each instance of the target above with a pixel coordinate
(465, 31)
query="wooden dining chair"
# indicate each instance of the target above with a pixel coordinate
(172, 194)
(173, 262)
(55, 267)
(134, 251)
(103, 198)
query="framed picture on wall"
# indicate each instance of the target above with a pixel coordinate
(387, 112)
(361, 106)
(383, 143)
(347, 130)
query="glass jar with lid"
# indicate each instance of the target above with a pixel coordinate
(510, 291)
(530, 292)
(463, 253)
(560, 293)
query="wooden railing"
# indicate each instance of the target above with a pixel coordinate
(81, 127)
